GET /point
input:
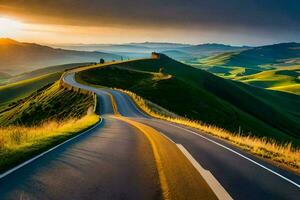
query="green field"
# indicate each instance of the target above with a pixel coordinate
(200, 95)
(282, 77)
(273, 67)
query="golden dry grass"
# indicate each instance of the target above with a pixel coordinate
(283, 155)
(15, 137)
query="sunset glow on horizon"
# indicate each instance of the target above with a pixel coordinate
(10, 27)
(115, 21)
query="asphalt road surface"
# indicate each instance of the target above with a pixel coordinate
(242, 175)
(114, 161)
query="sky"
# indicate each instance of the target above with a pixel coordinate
(237, 22)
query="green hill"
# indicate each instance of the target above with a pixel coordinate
(200, 95)
(24, 84)
(44, 71)
(272, 67)
(49, 102)
(15, 91)
(258, 58)
(285, 79)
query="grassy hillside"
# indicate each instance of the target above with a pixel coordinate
(15, 91)
(258, 57)
(272, 67)
(20, 143)
(52, 102)
(17, 57)
(45, 118)
(24, 84)
(44, 71)
(200, 95)
(283, 78)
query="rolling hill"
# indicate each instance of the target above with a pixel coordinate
(44, 71)
(48, 102)
(261, 58)
(23, 85)
(199, 95)
(283, 78)
(21, 89)
(17, 57)
(271, 67)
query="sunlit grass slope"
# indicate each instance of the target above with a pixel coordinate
(273, 67)
(282, 154)
(258, 57)
(19, 90)
(284, 79)
(19, 143)
(41, 120)
(51, 102)
(46, 70)
(199, 95)
(22, 85)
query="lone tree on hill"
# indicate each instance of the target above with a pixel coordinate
(102, 61)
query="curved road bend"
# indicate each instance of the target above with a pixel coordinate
(112, 161)
(242, 178)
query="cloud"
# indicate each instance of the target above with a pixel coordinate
(251, 13)
(264, 16)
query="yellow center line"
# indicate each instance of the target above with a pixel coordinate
(147, 130)
(114, 104)
(141, 127)
(178, 178)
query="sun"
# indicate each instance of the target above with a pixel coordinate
(9, 27)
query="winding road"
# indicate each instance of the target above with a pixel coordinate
(115, 161)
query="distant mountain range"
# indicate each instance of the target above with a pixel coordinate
(17, 57)
(174, 50)
(211, 48)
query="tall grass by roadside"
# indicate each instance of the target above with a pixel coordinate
(283, 155)
(18, 143)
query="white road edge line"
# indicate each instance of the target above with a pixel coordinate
(45, 152)
(239, 154)
(213, 183)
